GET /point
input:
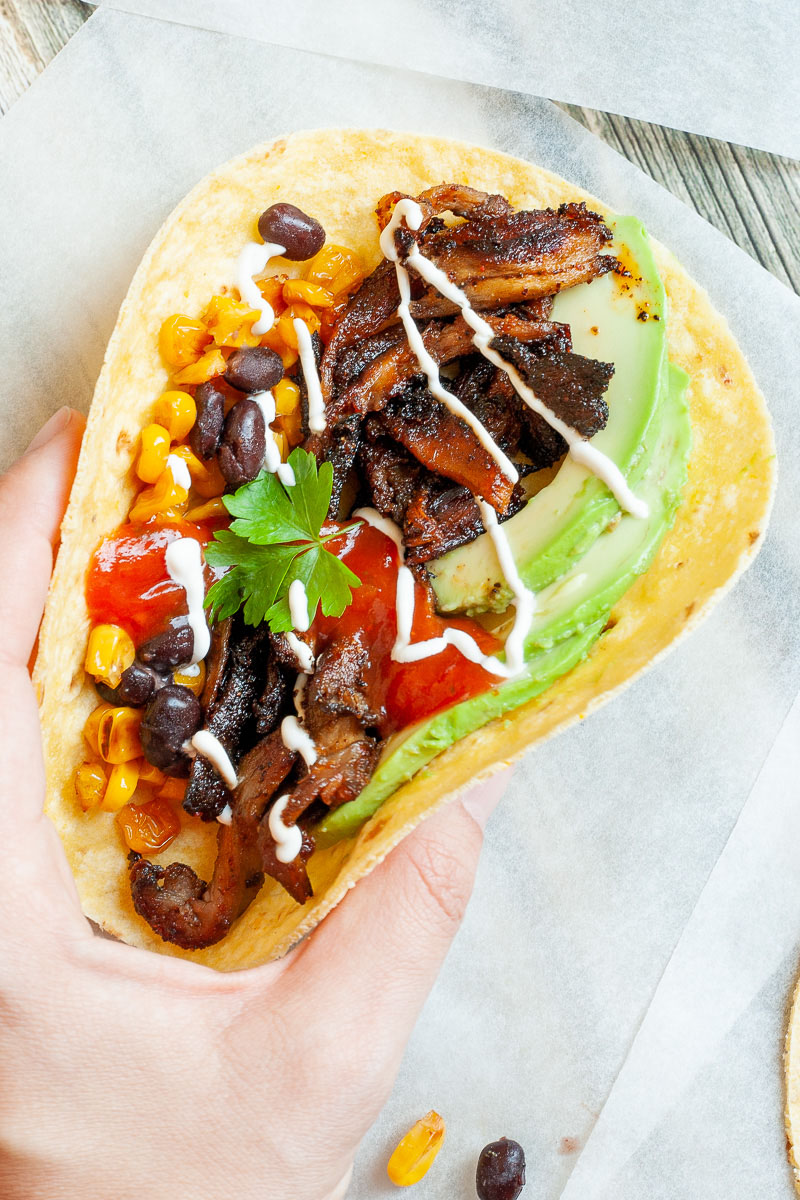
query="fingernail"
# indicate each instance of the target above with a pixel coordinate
(481, 802)
(57, 423)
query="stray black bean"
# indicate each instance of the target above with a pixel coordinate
(254, 369)
(134, 688)
(501, 1171)
(168, 649)
(171, 718)
(301, 236)
(205, 434)
(244, 444)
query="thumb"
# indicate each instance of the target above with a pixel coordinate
(370, 965)
(33, 495)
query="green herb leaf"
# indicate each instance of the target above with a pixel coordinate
(274, 540)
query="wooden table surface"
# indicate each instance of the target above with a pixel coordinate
(752, 196)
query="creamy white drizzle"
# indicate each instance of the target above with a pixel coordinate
(384, 524)
(316, 405)
(253, 258)
(288, 838)
(301, 651)
(413, 215)
(298, 696)
(212, 748)
(185, 568)
(579, 449)
(191, 671)
(294, 737)
(298, 605)
(179, 471)
(272, 454)
(226, 816)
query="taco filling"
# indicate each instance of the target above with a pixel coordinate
(376, 511)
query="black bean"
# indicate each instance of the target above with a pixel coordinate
(254, 369)
(205, 434)
(501, 1171)
(300, 235)
(241, 454)
(168, 649)
(172, 717)
(134, 688)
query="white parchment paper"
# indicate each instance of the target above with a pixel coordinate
(728, 70)
(616, 997)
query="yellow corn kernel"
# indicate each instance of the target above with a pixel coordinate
(282, 442)
(163, 495)
(292, 426)
(121, 786)
(92, 726)
(208, 512)
(336, 269)
(109, 652)
(173, 789)
(150, 774)
(115, 734)
(90, 784)
(193, 678)
(167, 518)
(285, 324)
(289, 354)
(153, 453)
(230, 322)
(287, 397)
(309, 293)
(199, 471)
(177, 412)
(182, 340)
(208, 367)
(211, 483)
(414, 1154)
(271, 288)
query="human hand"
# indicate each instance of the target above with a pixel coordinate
(125, 1073)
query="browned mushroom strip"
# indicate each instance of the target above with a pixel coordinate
(185, 910)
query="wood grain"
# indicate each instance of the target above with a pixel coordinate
(751, 196)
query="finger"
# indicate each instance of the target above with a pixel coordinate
(33, 496)
(372, 962)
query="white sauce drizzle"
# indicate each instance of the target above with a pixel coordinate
(179, 471)
(226, 816)
(301, 651)
(384, 524)
(296, 738)
(212, 748)
(288, 838)
(579, 449)
(253, 258)
(298, 605)
(272, 454)
(413, 215)
(316, 405)
(185, 568)
(191, 671)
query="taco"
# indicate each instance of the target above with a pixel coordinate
(405, 454)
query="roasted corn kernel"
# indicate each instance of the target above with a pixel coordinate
(177, 412)
(153, 453)
(121, 786)
(282, 442)
(109, 652)
(309, 293)
(414, 1154)
(211, 364)
(289, 354)
(285, 324)
(336, 269)
(230, 322)
(182, 340)
(113, 733)
(211, 483)
(271, 289)
(173, 790)
(149, 828)
(150, 774)
(192, 678)
(287, 397)
(164, 494)
(211, 510)
(90, 784)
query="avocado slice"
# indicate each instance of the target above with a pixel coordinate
(619, 319)
(571, 615)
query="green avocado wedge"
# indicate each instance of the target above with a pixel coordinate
(618, 319)
(608, 549)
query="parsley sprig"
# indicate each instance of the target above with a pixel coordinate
(274, 539)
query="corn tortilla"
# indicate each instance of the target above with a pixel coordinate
(338, 176)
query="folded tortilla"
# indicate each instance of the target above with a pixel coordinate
(338, 176)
